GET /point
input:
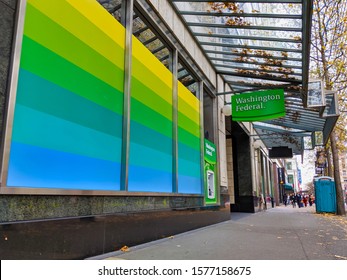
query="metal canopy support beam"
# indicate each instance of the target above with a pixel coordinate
(268, 28)
(253, 55)
(255, 63)
(249, 47)
(278, 129)
(296, 126)
(245, 84)
(262, 77)
(257, 69)
(306, 27)
(253, 38)
(254, 15)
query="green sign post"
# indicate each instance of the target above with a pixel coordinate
(210, 170)
(259, 105)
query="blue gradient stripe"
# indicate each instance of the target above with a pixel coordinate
(141, 155)
(146, 179)
(55, 169)
(189, 168)
(189, 185)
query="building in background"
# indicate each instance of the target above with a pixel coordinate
(343, 172)
(293, 174)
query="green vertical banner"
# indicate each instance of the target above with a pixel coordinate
(210, 172)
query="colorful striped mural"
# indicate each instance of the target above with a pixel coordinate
(150, 167)
(68, 114)
(189, 155)
(68, 118)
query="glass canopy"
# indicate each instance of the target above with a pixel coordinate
(262, 44)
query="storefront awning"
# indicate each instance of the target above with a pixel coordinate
(263, 44)
(288, 187)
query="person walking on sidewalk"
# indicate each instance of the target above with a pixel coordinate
(293, 200)
(310, 199)
(285, 197)
(298, 200)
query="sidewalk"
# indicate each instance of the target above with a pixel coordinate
(280, 233)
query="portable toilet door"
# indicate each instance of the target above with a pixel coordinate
(325, 194)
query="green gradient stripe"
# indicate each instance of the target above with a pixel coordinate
(150, 118)
(186, 123)
(44, 96)
(189, 150)
(56, 39)
(188, 153)
(86, 28)
(150, 138)
(188, 111)
(48, 65)
(149, 149)
(151, 97)
(141, 93)
(188, 139)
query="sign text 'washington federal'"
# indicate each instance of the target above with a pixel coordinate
(260, 105)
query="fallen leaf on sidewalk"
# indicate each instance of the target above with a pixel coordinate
(125, 249)
(340, 257)
(171, 237)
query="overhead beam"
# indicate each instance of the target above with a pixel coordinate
(256, 69)
(253, 55)
(240, 37)
(255, 63)
(229, 14)
(270, 49)
(261, 77)
(268, 28)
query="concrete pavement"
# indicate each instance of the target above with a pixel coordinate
(280, 233)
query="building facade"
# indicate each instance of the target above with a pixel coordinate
(113, 126)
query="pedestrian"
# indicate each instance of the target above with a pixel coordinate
(298, 200)
(304, 200)
(310, 200)
(261, 202)
(285, 199)
(293, 200)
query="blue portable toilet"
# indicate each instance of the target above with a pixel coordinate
(325, 194)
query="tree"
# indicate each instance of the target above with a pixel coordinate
(329, 63)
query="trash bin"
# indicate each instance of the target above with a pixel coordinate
(325, 194)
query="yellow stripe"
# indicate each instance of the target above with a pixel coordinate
(151, 72)
(188, 97)
(88, 21)
(152, 63)
(97, 14)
